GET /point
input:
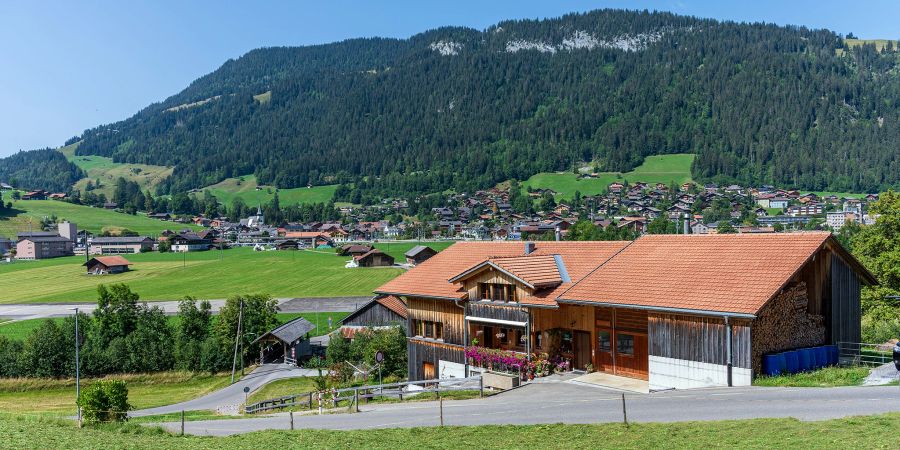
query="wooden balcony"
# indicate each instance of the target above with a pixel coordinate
(510, 314)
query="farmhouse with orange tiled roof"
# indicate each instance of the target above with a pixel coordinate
(679, 311)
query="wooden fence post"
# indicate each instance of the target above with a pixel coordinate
(356, 398)
(310, 401)
(182, 422)
(292, 420)
(441, 403)
(624, 412)
(480, 387)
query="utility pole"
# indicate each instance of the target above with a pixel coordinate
(237, 341)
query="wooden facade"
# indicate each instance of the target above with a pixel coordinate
(374, 314)
(444, 312)
(425, 356)
(696, 338)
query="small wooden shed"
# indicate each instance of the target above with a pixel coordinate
(419, 254)
(286, 343)
(102, 265)
(374, 258)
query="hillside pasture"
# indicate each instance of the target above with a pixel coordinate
(107, 172)
(27, 215)
(665, 169)
(246, 188)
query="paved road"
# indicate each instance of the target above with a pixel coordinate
(44, 310)
(227, 400)
(574, 403)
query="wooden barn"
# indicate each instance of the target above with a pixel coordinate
(374, 258)
(286, 343)
(419, 254)
(679, 311)
(381, 311)
(102, 265)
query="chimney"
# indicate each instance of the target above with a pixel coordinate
(558, 232)
(687, 224)
(529, 247)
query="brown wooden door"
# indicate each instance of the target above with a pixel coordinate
(631, 354)
(428, 371)
(582, 349)
(605, 359)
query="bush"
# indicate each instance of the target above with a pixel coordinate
(105, 401)
(9, 357)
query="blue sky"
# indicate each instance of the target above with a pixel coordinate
(67, 66)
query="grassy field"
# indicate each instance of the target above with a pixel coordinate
(826, 377)
(655, 169)
(866, 432)
(879, 43)
(27, 214)
(839, 194)
(280, 388)
(57, 397)
(212, 274)
(245, 188)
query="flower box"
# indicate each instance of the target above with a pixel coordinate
(502, 381)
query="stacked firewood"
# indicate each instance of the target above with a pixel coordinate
(785, 324)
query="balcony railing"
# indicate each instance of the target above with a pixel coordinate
(506, 312)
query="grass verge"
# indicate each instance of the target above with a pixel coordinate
(826, 377)
(856, 432)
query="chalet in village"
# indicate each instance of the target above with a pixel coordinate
(679, 311)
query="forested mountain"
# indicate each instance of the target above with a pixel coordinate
(44, 169)
(461, 108)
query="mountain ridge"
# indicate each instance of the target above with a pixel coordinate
(461, 108)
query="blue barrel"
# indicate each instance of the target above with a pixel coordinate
(806, 359)
(773, 364)
(833, 355)
(821, 356)
(792, 361)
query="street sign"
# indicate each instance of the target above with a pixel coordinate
(246, 389)
(379, 356)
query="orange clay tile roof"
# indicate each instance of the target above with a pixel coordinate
(393, 303)
(110, 261)
(534, 271)
(734, 273)
(429, 279)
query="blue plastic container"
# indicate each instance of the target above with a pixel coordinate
(833, 355)
(792, 361)
(773, 364)
(821, 356)
(806, 359)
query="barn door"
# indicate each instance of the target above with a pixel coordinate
(582, 349)
(605, 359)
(428, 372)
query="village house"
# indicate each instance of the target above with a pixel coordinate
(310, 239)
(39, 194)
(102, 265)
(678, 311)
(43, 247)
(189, 242)
(120, 245)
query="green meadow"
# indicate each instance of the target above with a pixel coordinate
(665, 169)
(27, 215)
(246, 188)
(212, 274)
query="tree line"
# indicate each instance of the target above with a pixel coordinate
(124, 335)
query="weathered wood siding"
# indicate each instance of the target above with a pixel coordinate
(696, 338)
(376, 315)
(843, 312)
(500, 311)
(423, 351)
(443, 311)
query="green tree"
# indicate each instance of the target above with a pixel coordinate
(725, 227)
(259, 316)
(661, 225)
(46, 352)
(193, 328)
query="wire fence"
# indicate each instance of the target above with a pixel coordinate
(860, 353)
(333, 397)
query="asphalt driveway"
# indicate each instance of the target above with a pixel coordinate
(576, 403)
